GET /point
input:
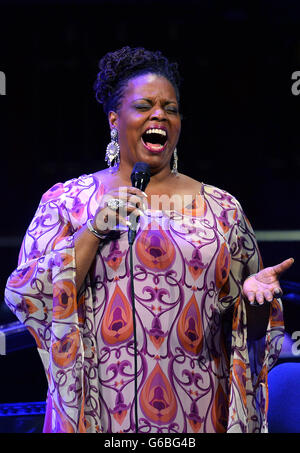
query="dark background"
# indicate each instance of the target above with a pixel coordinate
(240, 130)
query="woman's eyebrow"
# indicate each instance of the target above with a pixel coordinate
(150, 101)
(142, 99)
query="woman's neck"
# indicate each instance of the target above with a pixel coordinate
(158, 178)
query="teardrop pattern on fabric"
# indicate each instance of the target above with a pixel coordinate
(220, 410)
(62, 424)
(197, 208)
(117, 324)
(115, 256)
(66, 231)
(222, 265)
(53, 193)
(276, 319)
(157, 398)
(120, 410)
(224, 221)
(239, 373)
(156, 334)
(22, 276)
(77, 208)
(99, 193)
(64, 350)
(64, 299)
(29, 306)
(195, 264)
(154, 248)
(194, 420)
(189, 327)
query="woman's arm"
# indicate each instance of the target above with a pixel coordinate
(86, 246)
(48, 252)
(245, 270)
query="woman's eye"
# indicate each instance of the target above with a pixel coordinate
(172, 110)
(142, 106)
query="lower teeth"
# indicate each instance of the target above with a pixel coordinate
(154, 145)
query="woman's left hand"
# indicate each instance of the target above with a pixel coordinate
(265, 284)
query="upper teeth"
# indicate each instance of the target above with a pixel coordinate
(156, 131)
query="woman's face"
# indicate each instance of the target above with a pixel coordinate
(148, 122)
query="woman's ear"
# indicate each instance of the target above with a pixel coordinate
(113, 119)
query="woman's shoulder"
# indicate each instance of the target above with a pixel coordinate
(71, 188)
(75, 199)
(219, 193)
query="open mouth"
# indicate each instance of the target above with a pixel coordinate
(155, 140)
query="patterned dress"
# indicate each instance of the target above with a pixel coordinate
(190, 375)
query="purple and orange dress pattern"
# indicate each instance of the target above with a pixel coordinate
(188, 270)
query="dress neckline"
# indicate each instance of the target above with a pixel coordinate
(201, 192)
(185, 208)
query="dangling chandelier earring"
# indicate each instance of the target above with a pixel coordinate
(113, 149)
(175, 162)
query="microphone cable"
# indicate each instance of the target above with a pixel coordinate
(140, 178)
(134, 338)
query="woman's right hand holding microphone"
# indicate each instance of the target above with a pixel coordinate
(116, 206)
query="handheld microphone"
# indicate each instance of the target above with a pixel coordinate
(140, 177)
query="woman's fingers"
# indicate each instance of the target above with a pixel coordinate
(260, 297)
(283, 266)
(134, 197)
(268, 295)
(107, 218)
(256, 291)
(131, 193)
(277, 292)
(250, 296)
(264, 285)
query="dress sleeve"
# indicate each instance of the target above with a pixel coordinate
(47, 250)
(42, 294)
(249, 360)
(244, 256)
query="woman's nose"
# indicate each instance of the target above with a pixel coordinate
(158, 113)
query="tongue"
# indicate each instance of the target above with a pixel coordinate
(154, 146)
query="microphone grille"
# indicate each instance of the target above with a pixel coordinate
(141, 167)
(140, 175)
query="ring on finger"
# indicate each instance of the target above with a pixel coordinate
(115, 204)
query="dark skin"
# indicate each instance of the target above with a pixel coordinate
(150, 101)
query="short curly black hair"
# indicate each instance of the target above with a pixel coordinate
(117, 68)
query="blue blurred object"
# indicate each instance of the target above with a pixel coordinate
(284, 398)
(22, 417)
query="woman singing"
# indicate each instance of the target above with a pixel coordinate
(171, 365)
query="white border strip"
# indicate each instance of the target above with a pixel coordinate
(278, 235)
(261, 235)
(2, 343)
(10, 241)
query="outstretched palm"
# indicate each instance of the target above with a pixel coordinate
(265, 284)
